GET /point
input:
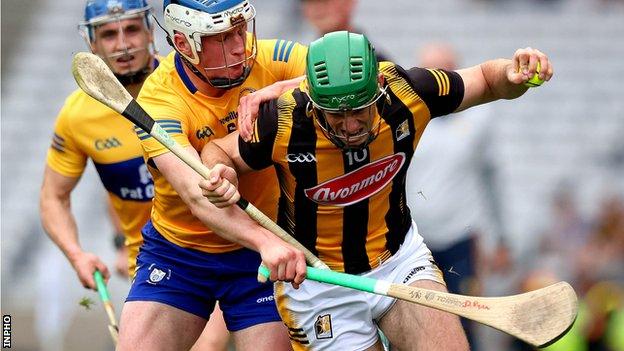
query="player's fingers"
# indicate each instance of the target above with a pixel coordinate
(217, 172)
(546, 69)
(224, 195)
(104, 270)
(281, 271)
(522, 57)
(300, 272)
(231, 195)
(244, 118)
(216, 190)
(272, 271)
(291, 270)
(207, 187)
(532, 66)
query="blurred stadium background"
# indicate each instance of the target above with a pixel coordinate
(565, 137)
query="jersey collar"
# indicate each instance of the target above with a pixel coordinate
(182, 73)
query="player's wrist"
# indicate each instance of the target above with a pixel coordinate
(119, 240)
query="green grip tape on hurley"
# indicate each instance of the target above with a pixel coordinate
(101, 288)
(335, 278)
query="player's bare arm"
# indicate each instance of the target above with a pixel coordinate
(60, 225)
(250, 104)
(503, 78)
(121, 259)
(222, 156)
(288, 262)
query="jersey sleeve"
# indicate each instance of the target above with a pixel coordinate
(258, 152)
(65, 155)
(441, 90)
(286, 59)
(170, 113)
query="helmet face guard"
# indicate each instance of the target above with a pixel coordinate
(101, 12)
(343, 86)
(334, 122)
(195, 20)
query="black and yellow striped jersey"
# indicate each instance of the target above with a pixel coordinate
(348, 206)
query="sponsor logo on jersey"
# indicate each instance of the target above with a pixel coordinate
(402, 131)
(357, 185)
(264, 299)
(323, 327)
(301, 157)
(412, 273)
(205, 132)
(108, 143)
(231, 116)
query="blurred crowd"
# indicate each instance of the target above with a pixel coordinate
(589, 254)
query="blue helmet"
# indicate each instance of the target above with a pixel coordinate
(198, 18)
(103, 11)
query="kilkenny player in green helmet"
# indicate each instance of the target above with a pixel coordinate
(341, 144)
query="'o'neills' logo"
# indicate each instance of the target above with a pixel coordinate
(358, 185)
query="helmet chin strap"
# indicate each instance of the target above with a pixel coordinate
(226, 83)
(219, 83)
(134, 77)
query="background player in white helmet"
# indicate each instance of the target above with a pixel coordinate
(193, 253)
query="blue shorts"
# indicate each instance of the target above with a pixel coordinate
(193, 280)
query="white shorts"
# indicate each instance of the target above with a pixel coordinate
(320, 316)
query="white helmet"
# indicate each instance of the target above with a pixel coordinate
(198, 18)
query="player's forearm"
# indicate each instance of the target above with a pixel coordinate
(60, 225)
(213, 154)
(231, 223)
(285, 85)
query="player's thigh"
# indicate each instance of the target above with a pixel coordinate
(409, 326)
(148, 325)
(215, 336)
(271, 336)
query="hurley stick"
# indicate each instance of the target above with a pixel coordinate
(538, 317)
(113, 329)
(96, 79)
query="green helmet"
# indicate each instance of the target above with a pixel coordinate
(342, 71)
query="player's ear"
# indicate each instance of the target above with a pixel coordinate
(182, 45)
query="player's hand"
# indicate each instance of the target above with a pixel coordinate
(249, 105)
(283, 261)
(524, 65)
(85, 264)
(121, 262)
(220, 187)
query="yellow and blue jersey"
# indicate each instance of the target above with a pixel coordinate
(86, 129)
(192, 118)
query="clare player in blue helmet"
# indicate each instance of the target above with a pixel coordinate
(194, 254)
